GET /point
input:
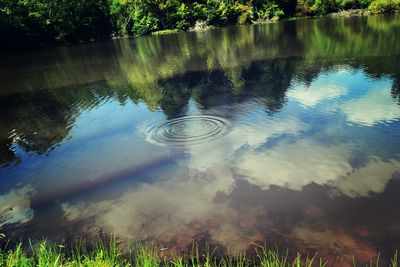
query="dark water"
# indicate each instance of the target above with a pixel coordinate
(285, 134)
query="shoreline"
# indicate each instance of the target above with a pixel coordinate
(342, 14)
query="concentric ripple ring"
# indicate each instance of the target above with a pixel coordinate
(189, 130)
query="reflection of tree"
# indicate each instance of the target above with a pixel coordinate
(270, 80)
(174, 99)
(217, 67)
(7, 154)
(396, 88)
(211, 66)
(36, 122)
(366, 43)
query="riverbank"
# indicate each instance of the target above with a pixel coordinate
(350, 13)
(203, 26)
(44, 22)
(101, 253)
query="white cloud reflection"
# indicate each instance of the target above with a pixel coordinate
(376, 106)
(294, 165)
(221, 152)
(156, 208)
(314, 94)
(15, 206)
(371, 178)
(195, 196)
(196, 193)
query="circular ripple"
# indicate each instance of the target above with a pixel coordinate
(189, 130)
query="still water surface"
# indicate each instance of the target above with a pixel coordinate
(285, 134)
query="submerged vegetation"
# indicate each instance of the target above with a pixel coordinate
(46, 21)
(108, 253)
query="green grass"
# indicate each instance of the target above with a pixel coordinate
(103, 254)
(162, 32)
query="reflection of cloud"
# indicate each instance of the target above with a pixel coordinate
(73, 212)
(371, 178)
(189, 203)
(194, 198)
(376, 106)
(220, 152)
(152, 209)
(311, 96)
(194, 194)
(15, 206)
(295, 165)
(260, 132)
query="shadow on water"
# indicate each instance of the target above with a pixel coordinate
(310, 155)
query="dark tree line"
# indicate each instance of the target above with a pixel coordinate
(35, 22)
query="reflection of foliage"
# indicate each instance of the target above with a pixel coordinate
(36, 122)
(271, 80)
(347, 38)
(7, 154)
(231, 64)
(157, 68)
(396, 88)
(175, 98)
(213, 68)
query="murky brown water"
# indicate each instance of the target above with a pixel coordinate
(284, 134)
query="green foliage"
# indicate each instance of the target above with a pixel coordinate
(121, 12)
(46, 21)
(384, 6)
(246, 14)
(305, 7)
(269, 11)
(143, 19)
(324, 6)
(221, 13)
(18, 258)
(346, 4)
(47, 254)
(364, 3)
(321, 7)
(146, 256)
(183, 17)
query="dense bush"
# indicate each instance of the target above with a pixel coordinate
(383, 6)
(142, 16)
(63, 21)
(320, 7)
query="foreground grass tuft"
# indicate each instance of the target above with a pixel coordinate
(107, 254)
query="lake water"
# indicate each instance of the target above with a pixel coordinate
(284, 134)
